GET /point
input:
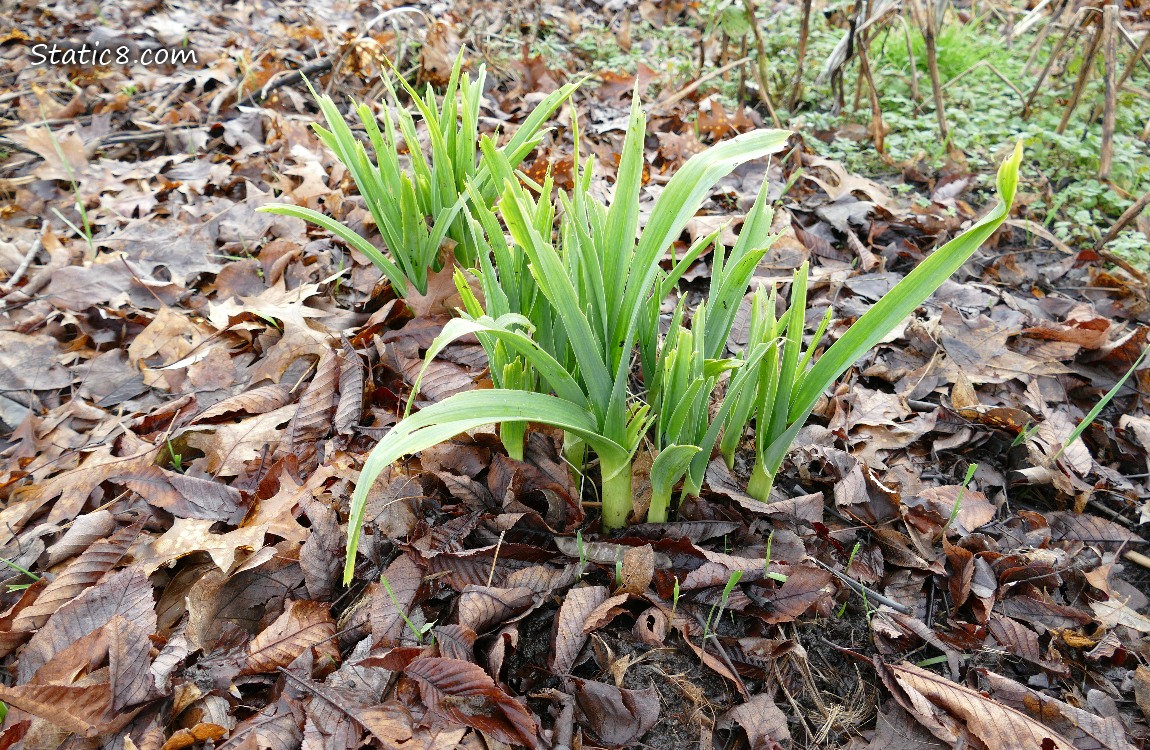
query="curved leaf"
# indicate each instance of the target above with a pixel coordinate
(457, 414)
(378, 259)
(907, 295)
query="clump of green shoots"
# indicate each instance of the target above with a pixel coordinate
(418, 206)
(564, 312)
(598, 281)
(787, 390)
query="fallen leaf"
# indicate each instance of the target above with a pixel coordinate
(569, 638)
(188, 536)
(617, 717)
(1084, 728)
(954, 713)
(1114, 612)
(638, 569)
(804, 586)
(463, 693)
(761, 719)
(303, 625)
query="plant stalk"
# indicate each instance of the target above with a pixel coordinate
(616, 493)
(512, 434)
(574, 450)
(761, 482)
(660, 503)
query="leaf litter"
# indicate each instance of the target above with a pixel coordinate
(186, 400)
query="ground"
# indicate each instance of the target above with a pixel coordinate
(189, 388)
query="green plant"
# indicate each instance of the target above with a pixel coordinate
(958, 499)
(419, 632)
(688, 366)
(721, 606)
(582, 552)
(598, 284)
(940, 659)
(1100, 406)
(861, 591)
(177, 459)
(1028, 431)
(508, 287)
(767, 562)
(18, 569)
(415, 209)
(84, 231)
(787, 391)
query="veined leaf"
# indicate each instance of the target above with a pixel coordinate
(457, 414)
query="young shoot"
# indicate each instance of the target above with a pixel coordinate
(419, 632)
(970, 470)
(717, 609)
(767, 561)
(1100, 406)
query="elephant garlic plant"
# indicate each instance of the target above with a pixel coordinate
(596, 282)
(416, 207)
(564, 313)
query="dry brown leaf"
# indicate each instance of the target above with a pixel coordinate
(484, 607)
(313, 418)
(1085, 729)
(387, 624)
(1023, 643)
(803, 588)
(127, 594)
(1042, 611)
(321, 556)
(84, 572)
(569, 637)
(761, 719)
(465, 694)
(974, 510)
(349, 409)
(256, 401)
(1115, 612)
(1142, 690)
(228, 448)
(83, 533)
(638, 569)
(617, 717)
(456, 642)
(961, 562)
(303, 625)
(188, 536)
(955, 713)
(607, 610)
(183, 496)
(1089, 528)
